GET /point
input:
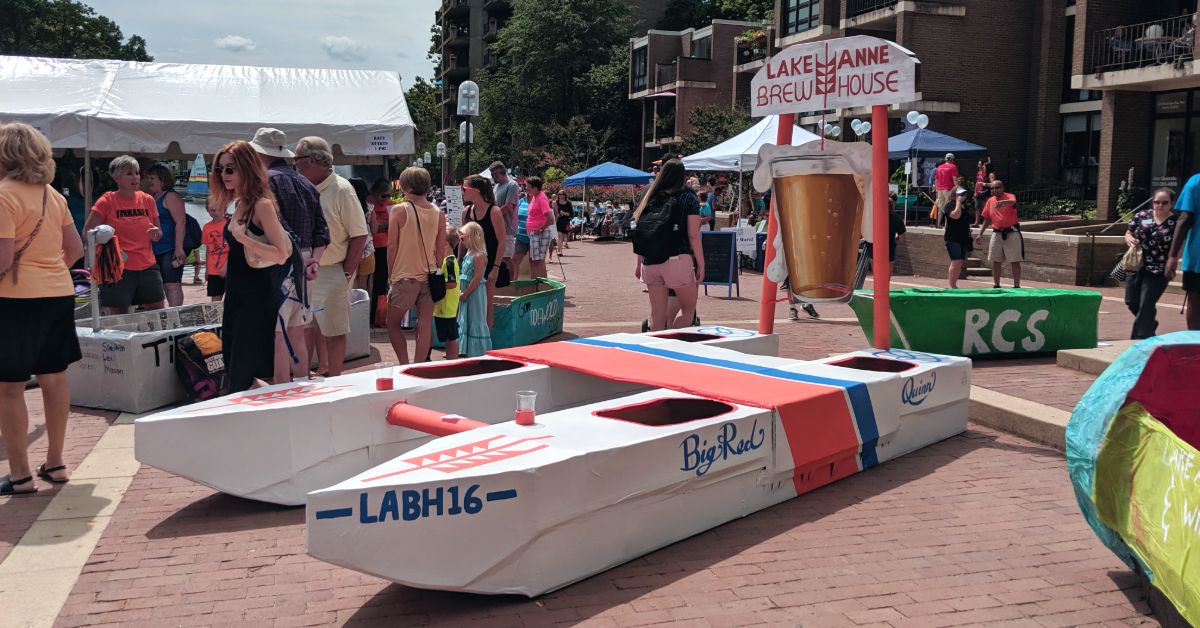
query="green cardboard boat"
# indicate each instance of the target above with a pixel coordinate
(526, 311)
(988, 322)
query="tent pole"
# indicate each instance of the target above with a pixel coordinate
(87, 181)
(766, 305)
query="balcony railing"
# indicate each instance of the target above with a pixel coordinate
(855, 8)
(664, 75)
(1041, 195)
(1146, 44)
(750, 55)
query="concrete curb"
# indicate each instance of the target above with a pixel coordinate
(1092, 361)
(1028, 419)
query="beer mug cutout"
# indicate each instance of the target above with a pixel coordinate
(821, 199)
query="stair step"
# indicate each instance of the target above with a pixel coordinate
(1175, 287)
(979, 272)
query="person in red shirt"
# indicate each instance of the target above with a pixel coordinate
(133, 214)
(1007, 244)
(216, 252)
(380, 201)
(945, 180)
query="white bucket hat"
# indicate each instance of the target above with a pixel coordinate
(271, 142)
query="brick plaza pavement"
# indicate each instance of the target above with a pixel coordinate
(979, 529)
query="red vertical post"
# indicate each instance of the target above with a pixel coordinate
(770, 291)
(881, 234)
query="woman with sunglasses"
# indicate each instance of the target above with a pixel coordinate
(1152, 230)
(259, 252)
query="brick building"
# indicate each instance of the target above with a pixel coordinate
(1138, 58)
(673, 72)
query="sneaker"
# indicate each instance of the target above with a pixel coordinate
(793, 313)
(646, 326)
(810, 310)
(695, 320)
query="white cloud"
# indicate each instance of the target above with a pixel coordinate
(343, 48)
(235, 43)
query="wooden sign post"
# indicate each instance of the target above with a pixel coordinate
(853, 71)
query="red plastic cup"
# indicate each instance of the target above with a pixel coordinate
(383, 376)
(526, 401)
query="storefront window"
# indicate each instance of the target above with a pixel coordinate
(1168, 163)
(1081, 151)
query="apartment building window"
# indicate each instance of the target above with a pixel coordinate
(800, 15)
(702, 48)
(1073, 95)
(1081, 151)
(638, 67)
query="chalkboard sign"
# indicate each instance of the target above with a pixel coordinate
(720, 260)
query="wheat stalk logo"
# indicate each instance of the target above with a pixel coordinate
(826, 79)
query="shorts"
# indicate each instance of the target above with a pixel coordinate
(136, 287)
(293, 312)
(1010, 249)
(329, 296)
(958, 250)
(38, 336)
(447, 328)
(1191, 282)
(677, 272)
(367, 266)
(406, 293)
(539, 243)
(945, 197)
(170, 274)
(216, 286)
(510, 245)
(521, 247)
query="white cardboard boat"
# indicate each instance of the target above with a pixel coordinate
(506, 508)
(276, 444)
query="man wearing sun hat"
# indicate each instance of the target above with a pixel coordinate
(300, 206)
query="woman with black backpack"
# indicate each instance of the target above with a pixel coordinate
(666, 238)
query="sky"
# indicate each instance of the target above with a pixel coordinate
(346, 34)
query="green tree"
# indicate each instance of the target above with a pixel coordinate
(712, 125)
(422, 99)
(560, 61)
(64, 29)
(683, 14)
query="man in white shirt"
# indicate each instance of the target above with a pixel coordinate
(348, 233)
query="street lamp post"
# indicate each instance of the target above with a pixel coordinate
(468, 107)
(441, 153)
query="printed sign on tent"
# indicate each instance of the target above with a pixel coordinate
(379, 143)
(454, 205)
(847, 72)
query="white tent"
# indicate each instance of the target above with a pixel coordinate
(114, 107)
(740, 152)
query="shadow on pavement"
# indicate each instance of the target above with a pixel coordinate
(631, 580)
(220, 513)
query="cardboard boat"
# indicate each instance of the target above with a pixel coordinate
(714, 435)
(276, 444)
(986, 322)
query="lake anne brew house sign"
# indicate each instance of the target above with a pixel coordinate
(848, 72)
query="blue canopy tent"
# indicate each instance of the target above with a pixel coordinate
(607, 173)
(926, 143)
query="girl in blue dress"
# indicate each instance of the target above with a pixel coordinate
(475, 339)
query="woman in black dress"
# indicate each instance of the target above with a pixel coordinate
(259, 252)
(481, 208)
(563, 210)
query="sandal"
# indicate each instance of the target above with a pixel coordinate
(44, 473)
(7, 484)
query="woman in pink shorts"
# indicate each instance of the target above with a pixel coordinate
(667, 241)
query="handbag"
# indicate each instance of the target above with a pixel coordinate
(503, 276)
(32, 234)
(253, 259)
(1132, 260)
(435, 279)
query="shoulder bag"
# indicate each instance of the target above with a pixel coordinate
(32, 234)
(435, 278)
(253, 259)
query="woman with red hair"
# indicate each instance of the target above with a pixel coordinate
(259, 254)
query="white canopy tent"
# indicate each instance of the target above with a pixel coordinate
(110, 107)
(740, 152)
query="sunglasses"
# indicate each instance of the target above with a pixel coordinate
(226, 170)
(1162, 202)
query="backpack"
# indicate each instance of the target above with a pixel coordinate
(200, 365)
(192, 235)
(658, 234)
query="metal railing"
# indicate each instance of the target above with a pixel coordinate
(855, 8)
(749, 55)
(1041, 195)
(664, 75)
(1146, 44)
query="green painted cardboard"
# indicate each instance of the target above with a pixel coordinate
(525, 319)
(988, 322)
